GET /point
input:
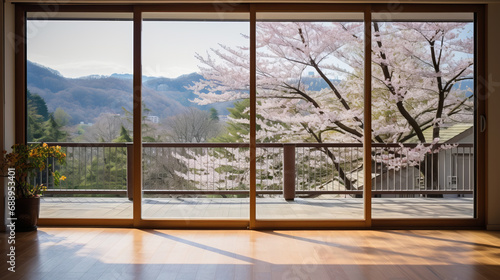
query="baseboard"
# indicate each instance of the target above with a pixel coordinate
(493, 227)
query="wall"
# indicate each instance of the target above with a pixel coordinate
(2, 122)
(7, 49)
(493, 165)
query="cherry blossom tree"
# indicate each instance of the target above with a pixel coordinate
(417, 66)
(417, 69)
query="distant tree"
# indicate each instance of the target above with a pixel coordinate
(34, 125)
(41, 125)
(194, 125)
(38, 104)
(61, 117)
(52, 131)
(238, 126)
(149, 130)
(105, 129)
(124, 136)
(214, 115)
(37, 114)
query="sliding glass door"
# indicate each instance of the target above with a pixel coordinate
(195, 140)
(79, 95)
(309, 115)
(423, 96)
(260, 115)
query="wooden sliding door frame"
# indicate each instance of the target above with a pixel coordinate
(365, 222)
(48, 11)
(253, 118)
(367, 124)
(479, 219)
(137, 121)
(252, 9)
(20, 75)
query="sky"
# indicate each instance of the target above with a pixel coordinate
(82, 48)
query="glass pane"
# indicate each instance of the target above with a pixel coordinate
(195, 126)
(79, 95)
(309, 115)
(422, 116)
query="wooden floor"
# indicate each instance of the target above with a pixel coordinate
(267, 208)
(97, 253)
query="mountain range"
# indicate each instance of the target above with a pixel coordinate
(85, 98)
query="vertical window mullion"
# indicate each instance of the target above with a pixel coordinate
(137, 136)
(253, 106)
(367, 133)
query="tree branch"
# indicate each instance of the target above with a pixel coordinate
(385, 69)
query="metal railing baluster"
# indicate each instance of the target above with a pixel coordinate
(313, 171)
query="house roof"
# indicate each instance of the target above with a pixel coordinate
(448, 132)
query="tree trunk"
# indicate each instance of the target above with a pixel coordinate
(347, 182)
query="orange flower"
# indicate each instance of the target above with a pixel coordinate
(63, 178)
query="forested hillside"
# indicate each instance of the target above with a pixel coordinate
(85, 98)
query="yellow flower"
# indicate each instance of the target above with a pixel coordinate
(58, 147)
(63, 178)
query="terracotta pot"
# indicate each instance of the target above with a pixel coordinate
(27, 212)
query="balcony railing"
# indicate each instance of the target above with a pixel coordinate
(301, 169)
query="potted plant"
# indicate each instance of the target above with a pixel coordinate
(24, 163)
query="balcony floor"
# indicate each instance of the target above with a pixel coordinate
(267, 208)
